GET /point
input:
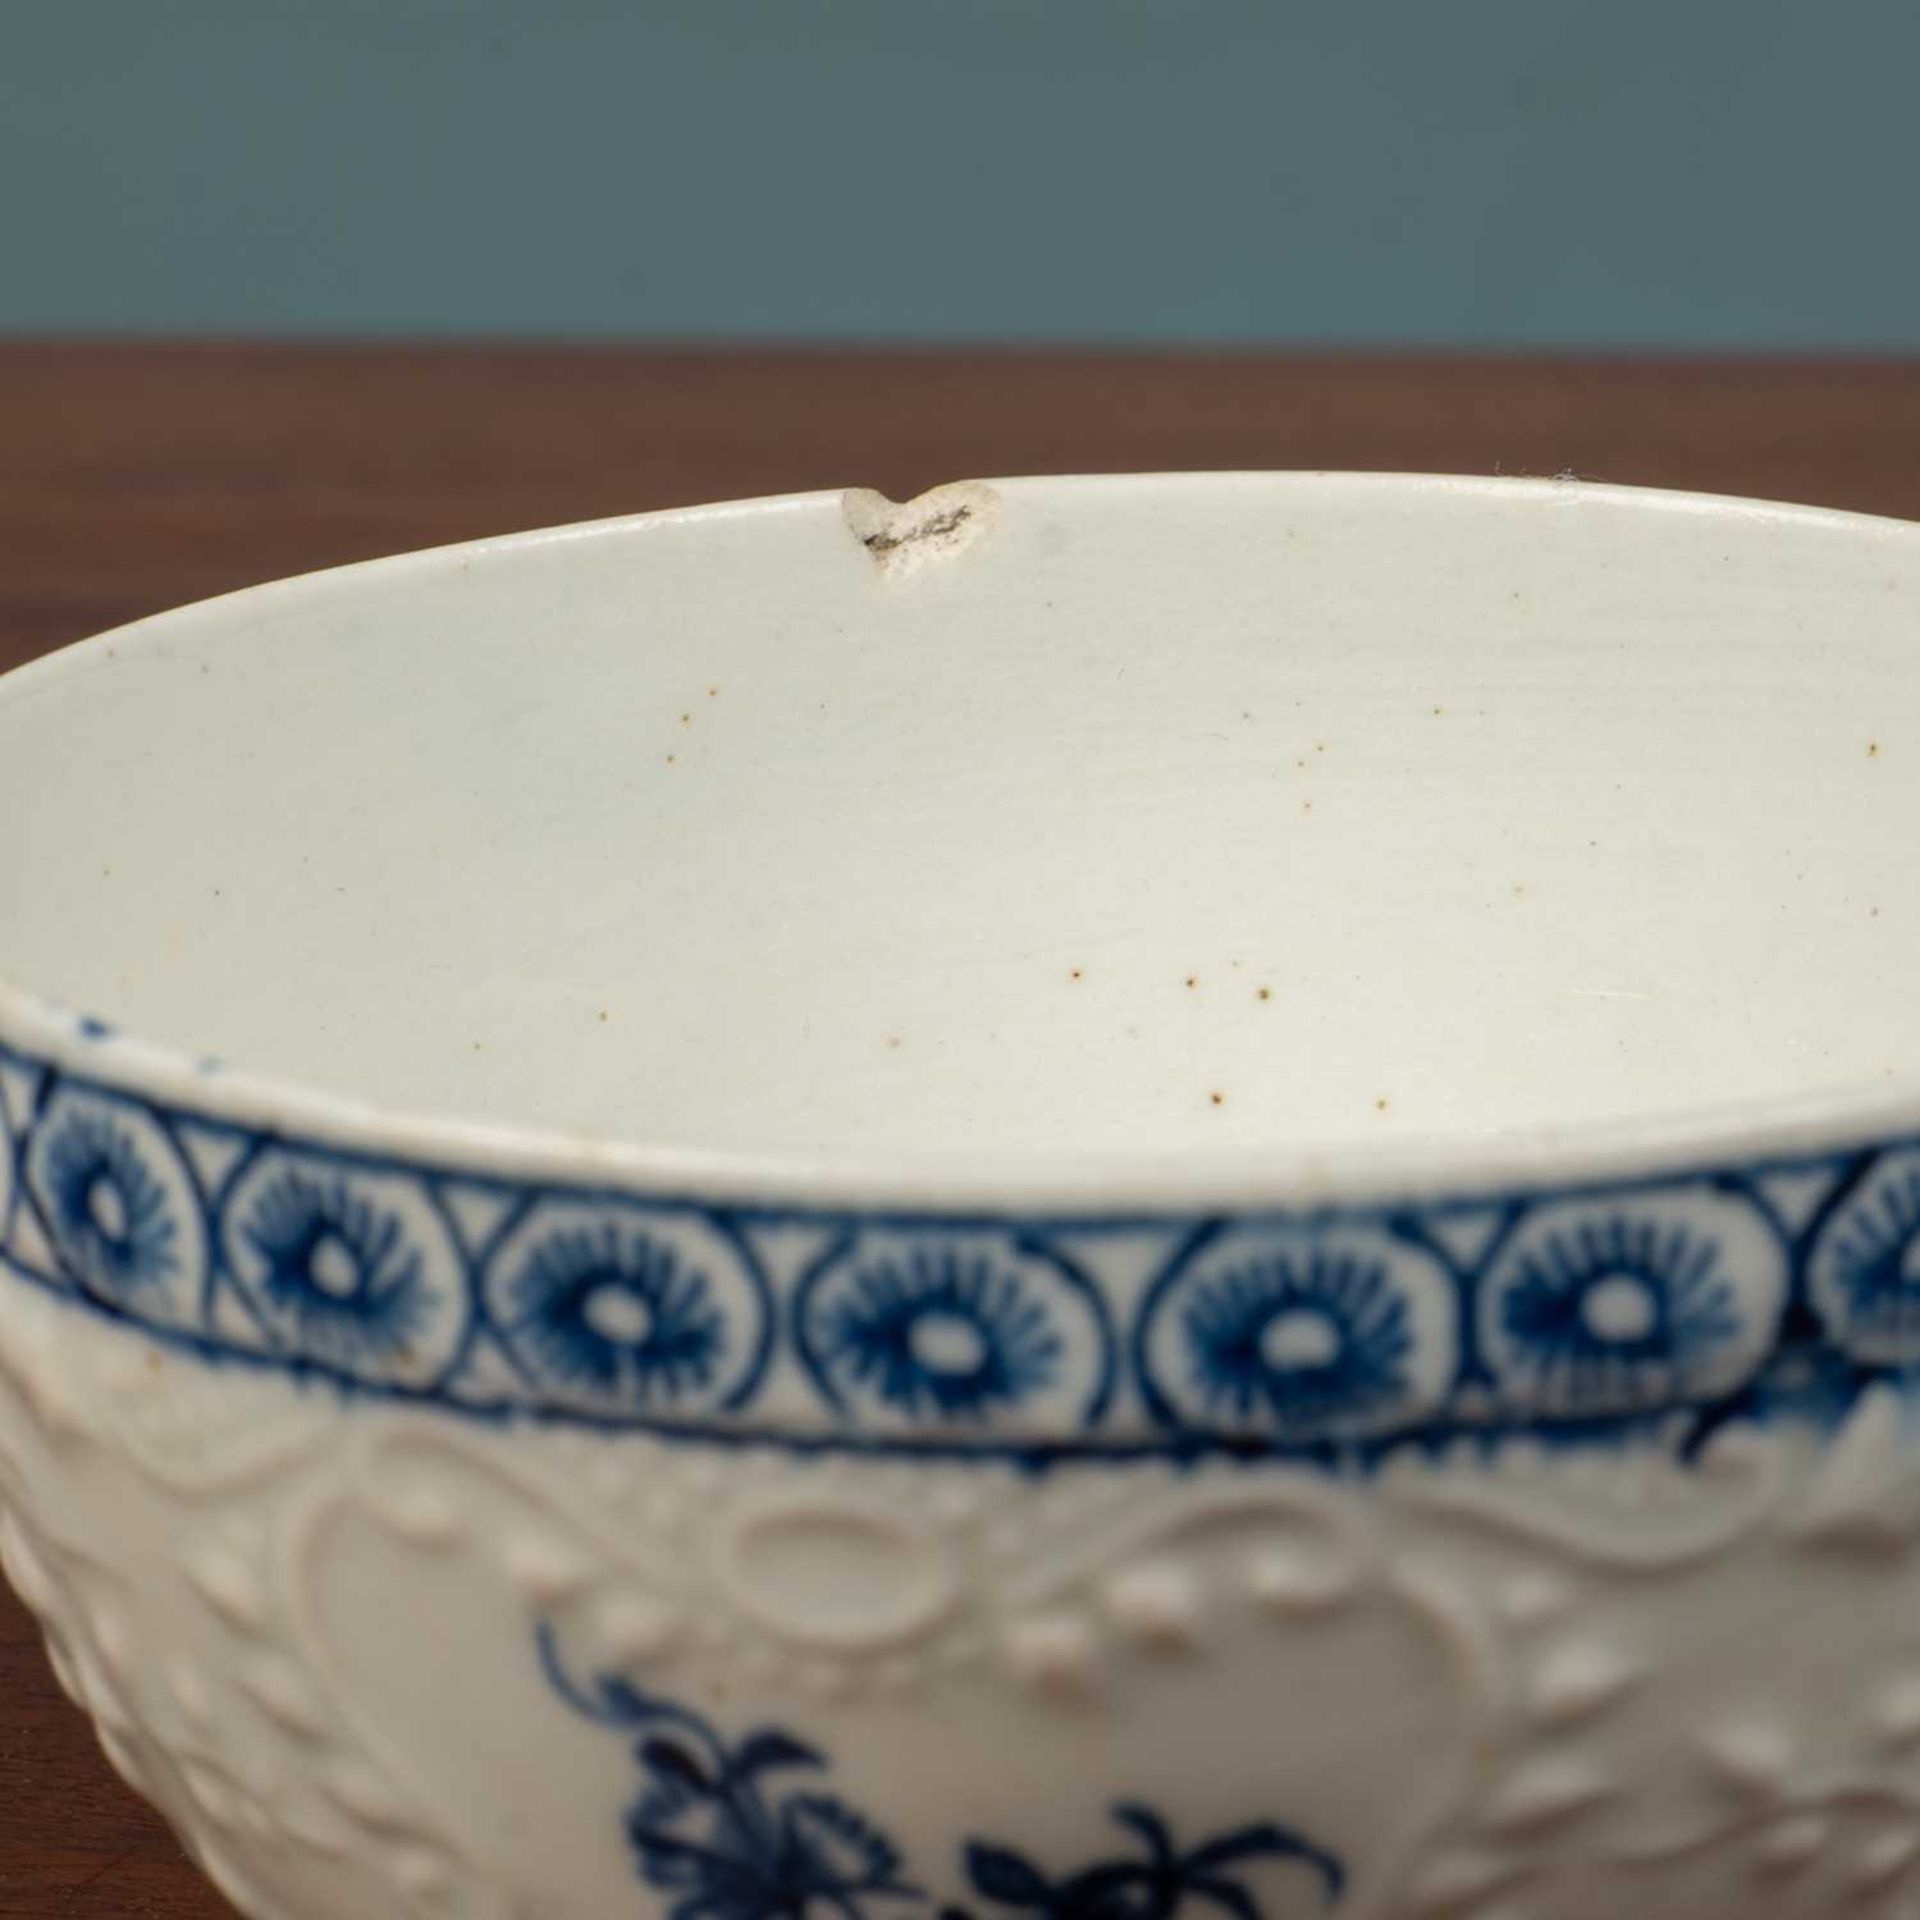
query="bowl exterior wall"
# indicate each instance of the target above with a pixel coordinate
(425, 1540)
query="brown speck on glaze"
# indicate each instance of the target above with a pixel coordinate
(1380, 1105)
(1873, 749)
(1265, 993)
(1074, 973)
(1319, 746)
(1193, 980)
(713, 693)
(1438, 711)
(1306, 806)
(893, 1040)
(603, 1016)
(672, 758)
(1218, 1098)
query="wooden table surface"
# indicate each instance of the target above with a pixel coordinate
(133, 478)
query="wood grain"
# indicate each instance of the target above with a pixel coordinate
(136, 477)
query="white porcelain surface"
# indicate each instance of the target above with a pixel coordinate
(1138, 1196)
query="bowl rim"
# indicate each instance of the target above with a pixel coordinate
(1751, 1133)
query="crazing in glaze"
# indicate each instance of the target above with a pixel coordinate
(1338, 1335)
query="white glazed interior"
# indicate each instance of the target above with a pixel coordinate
(1165, 816)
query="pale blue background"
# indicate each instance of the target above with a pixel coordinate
(1619, 173)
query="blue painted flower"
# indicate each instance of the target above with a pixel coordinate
(711, 1830)
(1864, 1271)
(344, 1267)
(719, 1825)
(1309, 1339)
(116, 1204)
(1158, 1881)
(610, 1309)
(1618, 1305)
(341, 1271)
(937, 1327)
(1299, 1333)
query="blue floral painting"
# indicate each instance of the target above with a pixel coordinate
(1607, 1307)
(952, 1329)
(721, 1826)
(108, 1214)
(344, 1269)
(1156, 1880)
(746, 1829)
(116, 1205)
(1299, 1335)
(1306, 1342)
(941, 1330)
(1864, 1273)
(1335, 1335)
(614, 1309)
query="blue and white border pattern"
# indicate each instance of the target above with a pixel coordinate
(1665, 1306)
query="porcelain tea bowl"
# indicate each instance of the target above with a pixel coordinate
(1090, 1200)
